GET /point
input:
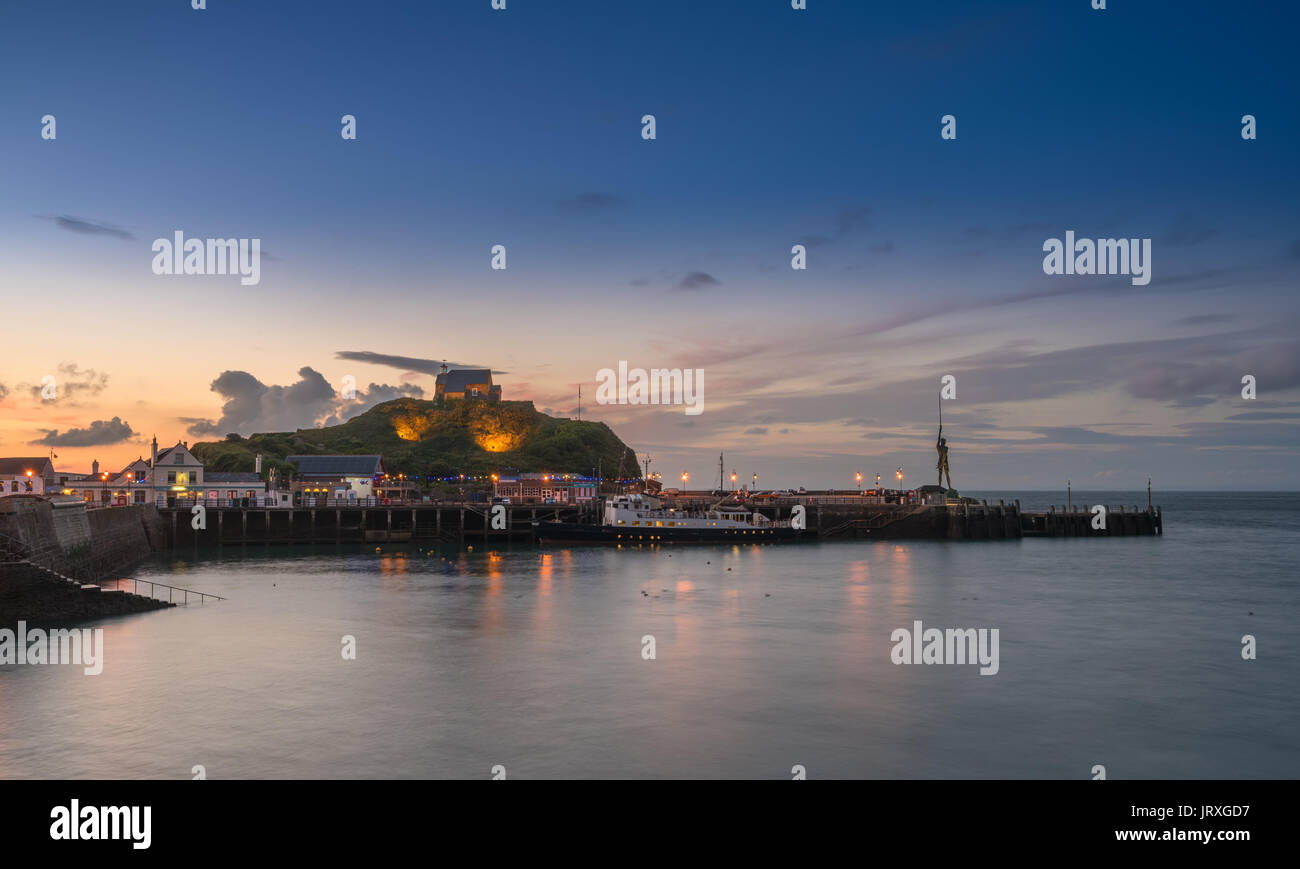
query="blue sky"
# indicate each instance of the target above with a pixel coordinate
(522, 127)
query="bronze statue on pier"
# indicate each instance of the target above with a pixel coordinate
(941, 446)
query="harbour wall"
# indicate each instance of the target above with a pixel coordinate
(471, 523)
(53, 550)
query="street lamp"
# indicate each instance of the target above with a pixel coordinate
(733, 479)
(859, 477)
(685, 476)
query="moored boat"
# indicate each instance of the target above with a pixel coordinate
(642, 519)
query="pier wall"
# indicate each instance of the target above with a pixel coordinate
(470, 523)
(28, 594)
(43, 538)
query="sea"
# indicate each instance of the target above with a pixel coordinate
(1175, 656)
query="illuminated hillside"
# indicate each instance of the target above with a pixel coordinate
(442, 437)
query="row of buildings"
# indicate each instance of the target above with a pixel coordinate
(175, 474)
(170, 473)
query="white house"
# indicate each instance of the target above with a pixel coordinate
(173, 473)
(26, 476)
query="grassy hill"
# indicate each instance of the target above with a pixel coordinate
(439, 438)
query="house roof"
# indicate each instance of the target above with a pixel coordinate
(463, 379)
(20, 466)
(337, 466)
(231, 477)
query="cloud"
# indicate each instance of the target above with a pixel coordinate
(72, 383)
(589, 202)
(376, 393)
(404, 363)
(100, 433)
(756, 430)
(252, 406)
(845, 221)
(1216, 375)
(91, 227)
(883, 247)
(1204, 319)
(1262, 416)
(698, 281)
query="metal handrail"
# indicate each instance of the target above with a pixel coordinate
(170, 589)
(26, 553)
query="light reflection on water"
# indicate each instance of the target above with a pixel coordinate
(1123, 652)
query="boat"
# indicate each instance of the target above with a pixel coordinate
(643, 519)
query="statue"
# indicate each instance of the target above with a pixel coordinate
(941, 446)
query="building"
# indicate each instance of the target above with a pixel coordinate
(466, 383)
(543, 488)
(338, 476)
(27, 476)
(166, 477)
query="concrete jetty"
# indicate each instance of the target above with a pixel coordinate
(473, 522)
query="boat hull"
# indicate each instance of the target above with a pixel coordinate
(572, 532)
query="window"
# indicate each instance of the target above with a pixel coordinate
(178, 459)
(171, 478)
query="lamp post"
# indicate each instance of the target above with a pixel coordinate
(733, 479)
(685, 476)
(859, 477)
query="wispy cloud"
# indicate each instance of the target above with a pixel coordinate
(405, 363)
(698, 281)
(83, 226)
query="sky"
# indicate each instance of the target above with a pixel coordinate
(774, 127)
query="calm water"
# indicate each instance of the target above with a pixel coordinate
(1122, 652)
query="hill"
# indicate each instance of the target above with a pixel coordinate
(441, 438)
